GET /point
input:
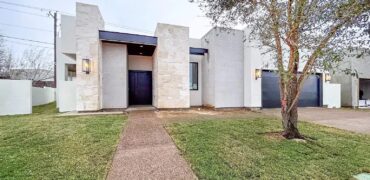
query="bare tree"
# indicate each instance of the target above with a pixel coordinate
(308, 33)
(35, 64)
(5, 60)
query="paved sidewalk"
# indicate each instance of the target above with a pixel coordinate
(146, 151)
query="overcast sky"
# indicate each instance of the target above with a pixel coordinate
(137, 16)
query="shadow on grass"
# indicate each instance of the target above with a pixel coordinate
(50, 108)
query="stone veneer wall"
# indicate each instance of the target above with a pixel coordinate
(88, 86)
(171, 67)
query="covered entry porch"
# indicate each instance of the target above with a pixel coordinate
(127, 69)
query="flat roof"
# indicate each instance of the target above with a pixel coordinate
(134, 40)
(127, 38)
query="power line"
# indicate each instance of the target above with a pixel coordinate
(24, 12)
(25, 6)
(26, 44)
(30, 40)
(52, 13)
(26, 27)
(130, 28)
(32, 7)
(47, 9)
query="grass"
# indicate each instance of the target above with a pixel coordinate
(240, 148)
(43, 146)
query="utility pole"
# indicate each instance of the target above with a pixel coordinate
(55, 17)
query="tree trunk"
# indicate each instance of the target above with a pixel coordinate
(290, 122)
(289, 110)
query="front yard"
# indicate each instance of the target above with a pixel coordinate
(243, 147)
(43, 146)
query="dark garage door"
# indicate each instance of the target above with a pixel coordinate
(140, 87)
(310, 95)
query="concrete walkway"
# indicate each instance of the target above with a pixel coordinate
(346, 119)
(146, 151)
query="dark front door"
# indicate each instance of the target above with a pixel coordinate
(140, 87)
(310, 94)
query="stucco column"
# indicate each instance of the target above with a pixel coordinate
(252, 86)
(88, 86)
(171, 67)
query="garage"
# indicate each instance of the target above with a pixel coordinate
(364, 93)
(310, 95)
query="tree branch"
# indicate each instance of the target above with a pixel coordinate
(313, 57)
(275, 28)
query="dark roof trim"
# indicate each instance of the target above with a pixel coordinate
(198, 51)
(127, 38)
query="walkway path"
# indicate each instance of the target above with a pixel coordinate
(146, 151)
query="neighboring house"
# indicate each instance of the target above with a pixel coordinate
(39, 77)
(356, 84)
(99, 69)
(32, 74)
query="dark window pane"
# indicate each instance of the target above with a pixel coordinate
(193, 76)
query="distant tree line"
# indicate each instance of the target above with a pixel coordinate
(34, 64)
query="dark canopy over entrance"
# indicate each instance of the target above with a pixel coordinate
(136, 44)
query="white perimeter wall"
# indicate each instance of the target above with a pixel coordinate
(42, 96)
(15, 97)
(114, 72)
(332, 95)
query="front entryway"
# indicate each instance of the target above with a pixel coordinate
(140, 87)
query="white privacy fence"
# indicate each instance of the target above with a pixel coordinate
(15, 97)
(332, 95)
(18, 96)
(42, 96)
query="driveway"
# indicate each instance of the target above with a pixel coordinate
(347, 119)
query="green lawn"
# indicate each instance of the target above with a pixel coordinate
(239, 148)
(43, 146)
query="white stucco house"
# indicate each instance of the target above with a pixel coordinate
(99, 69)
(355, 85)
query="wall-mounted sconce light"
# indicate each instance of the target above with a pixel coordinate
(327, 77)
(257, 73)
(86, 66)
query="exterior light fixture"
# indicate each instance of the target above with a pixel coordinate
(327, 77)
(141, 46)
(141, 53)
(86, 66)
(257, 73)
